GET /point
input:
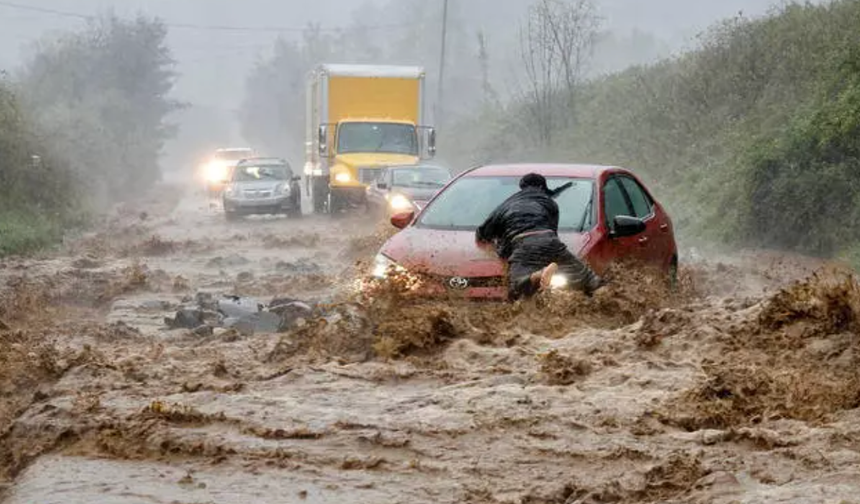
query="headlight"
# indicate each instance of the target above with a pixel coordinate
(282, 189)
(216, 171)
(342, 177)
(400, 202)
(382, 265)
(558, 281)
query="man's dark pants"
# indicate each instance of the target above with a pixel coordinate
(533, 253)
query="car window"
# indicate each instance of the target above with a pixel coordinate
(642, 204)
(468, 202)
(614, 202)
(255, 173)
(420, 177)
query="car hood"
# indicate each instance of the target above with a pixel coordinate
(453, 253)
(258, 185)
(375, 159)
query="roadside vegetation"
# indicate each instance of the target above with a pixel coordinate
(91, 106)
(753, 139)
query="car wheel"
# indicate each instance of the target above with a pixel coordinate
(230, 216)
(673, 275)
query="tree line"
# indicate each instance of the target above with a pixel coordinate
(82, 126)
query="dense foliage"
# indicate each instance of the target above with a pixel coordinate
(92, 105)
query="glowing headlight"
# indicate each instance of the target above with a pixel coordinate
(400, 202)
(216, 171)
(558, 282)
(342, 177)
(382, 265)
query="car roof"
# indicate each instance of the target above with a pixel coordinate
(545, 169)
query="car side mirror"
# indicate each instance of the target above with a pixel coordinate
(382, 185)
(402, 220)
(296, 178)
(626, 225)
(323, 140)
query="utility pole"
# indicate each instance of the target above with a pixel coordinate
(441, 86)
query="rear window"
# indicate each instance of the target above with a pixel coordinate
(466, 203)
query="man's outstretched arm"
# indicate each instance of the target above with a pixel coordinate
(490, 229)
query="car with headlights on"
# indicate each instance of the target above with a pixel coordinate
(400, 189)
(217, 171)
(605, 216)
(262, 186)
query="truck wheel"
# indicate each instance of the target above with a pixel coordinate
(320, 196)
(295, 211)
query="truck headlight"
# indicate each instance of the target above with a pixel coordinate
(400, 202)
(382, 265)
(342, 178)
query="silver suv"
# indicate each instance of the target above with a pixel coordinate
(262, 186)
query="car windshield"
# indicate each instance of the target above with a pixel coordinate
(257, 173)
(466, 203)
(420, 177)
(377, 137)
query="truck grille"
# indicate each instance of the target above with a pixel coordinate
(368, 175)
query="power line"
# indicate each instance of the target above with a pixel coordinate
(189, 26)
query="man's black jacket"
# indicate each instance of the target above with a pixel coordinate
(531, 209)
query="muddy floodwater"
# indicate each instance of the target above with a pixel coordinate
(741, 387)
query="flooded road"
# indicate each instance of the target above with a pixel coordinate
(740, 388)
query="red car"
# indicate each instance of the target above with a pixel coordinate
(606, 215)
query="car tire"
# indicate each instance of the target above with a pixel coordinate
(231, 216)
(673, 275)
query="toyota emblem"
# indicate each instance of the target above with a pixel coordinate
(458, 283)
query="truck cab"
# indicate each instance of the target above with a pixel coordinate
(362, 119)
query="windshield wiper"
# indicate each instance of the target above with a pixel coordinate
(555, 193)
(587, 212)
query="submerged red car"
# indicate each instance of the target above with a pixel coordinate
(606, 215)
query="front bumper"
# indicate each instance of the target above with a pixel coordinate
(437, 287)
(354, 195)
(258, 205)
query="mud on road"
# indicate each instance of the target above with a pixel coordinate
(742, 387)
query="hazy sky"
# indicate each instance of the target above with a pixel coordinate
(213, 63)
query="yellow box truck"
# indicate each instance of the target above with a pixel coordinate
(361, 118)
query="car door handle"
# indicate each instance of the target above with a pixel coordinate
(643, 240)
(664, 227)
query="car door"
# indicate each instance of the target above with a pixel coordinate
(656, 238)
(616, 202)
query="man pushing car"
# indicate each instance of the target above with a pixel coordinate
(524, 229)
